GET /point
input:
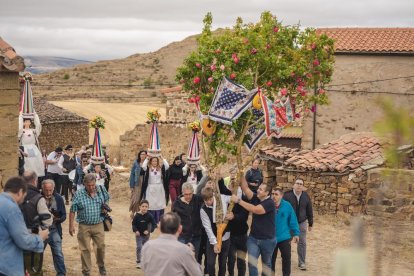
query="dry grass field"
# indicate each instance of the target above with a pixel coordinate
(119, 117)
(329, 235)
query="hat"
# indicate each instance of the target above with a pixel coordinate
(193, 156)
(97, 152)
(154, 147)
(26, 103)
(68, 147)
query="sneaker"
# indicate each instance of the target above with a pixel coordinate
(102, 271)
(138, 265)
(302, 267)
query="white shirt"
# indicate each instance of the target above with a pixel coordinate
(225, 199)
(297, 196)
(54, 168)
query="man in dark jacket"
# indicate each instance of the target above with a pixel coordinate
(188, 206)
(238, 231)
(33, 205)
(302, 205)
(254, 176)
(56, 206)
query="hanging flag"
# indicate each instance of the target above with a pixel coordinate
(230, 101)
(277, 115)
(255, 132)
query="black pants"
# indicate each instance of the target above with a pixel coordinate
(57, 179)
(222, 258)
(202, 250)
(285, 251)
(66, 186)
(238, 249)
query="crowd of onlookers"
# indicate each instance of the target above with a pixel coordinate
(32, 210)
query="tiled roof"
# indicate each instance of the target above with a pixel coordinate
(347, 153)
(172, 89)
(371, 40)
(9, 59)
(50, 113)
(277, 153)
(294, 132)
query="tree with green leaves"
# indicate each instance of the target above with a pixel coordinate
(282, 61)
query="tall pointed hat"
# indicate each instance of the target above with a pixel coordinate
(193, 155)
(26, 103)
(98, 156)
(154, 145)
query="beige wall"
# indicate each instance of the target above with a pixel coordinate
(9, 112)
(178, 107)
(357, 112)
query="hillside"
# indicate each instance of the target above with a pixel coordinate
(146, 73)
(43, 64)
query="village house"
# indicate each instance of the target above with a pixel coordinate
(10, 66)
(369, 63)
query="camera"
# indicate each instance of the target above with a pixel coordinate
(106, 207)
(38, 222)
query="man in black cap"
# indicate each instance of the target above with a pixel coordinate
(67, 164)
(53, 169)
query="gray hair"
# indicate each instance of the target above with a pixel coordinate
(90, 177)
(29, 176)
(187, 186)
(48, 181)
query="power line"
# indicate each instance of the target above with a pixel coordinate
(106, 84)
(372, 92)
(370, 81)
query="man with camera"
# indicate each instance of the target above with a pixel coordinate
(90, 204)
(56, 205)
(33, 205)
(14, 237)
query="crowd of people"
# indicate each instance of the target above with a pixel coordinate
(189, 230)
(277, 219)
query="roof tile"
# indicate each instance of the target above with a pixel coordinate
(371, 40)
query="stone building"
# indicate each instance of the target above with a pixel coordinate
(369, 63)
(342, 176)
(10, 66)
(60, 127)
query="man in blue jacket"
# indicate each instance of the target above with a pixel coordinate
(57, 208)
(14, 237)
(286, 223)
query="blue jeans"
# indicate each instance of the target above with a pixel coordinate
(55, 242)
(263, 248)
(195, 241)
(140, 241)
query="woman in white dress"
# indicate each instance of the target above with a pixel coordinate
(28, 132)
(155, 186)
(193, 174)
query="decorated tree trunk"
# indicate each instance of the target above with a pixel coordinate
(272, 67)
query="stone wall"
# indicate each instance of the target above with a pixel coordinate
(62, 134)
(360, 191)
(9, 112)
(179, 109)
(330, 194)
(357, 112)
(174, 138)
(391, 196)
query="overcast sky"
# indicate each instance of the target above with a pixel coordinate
(103, 29)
